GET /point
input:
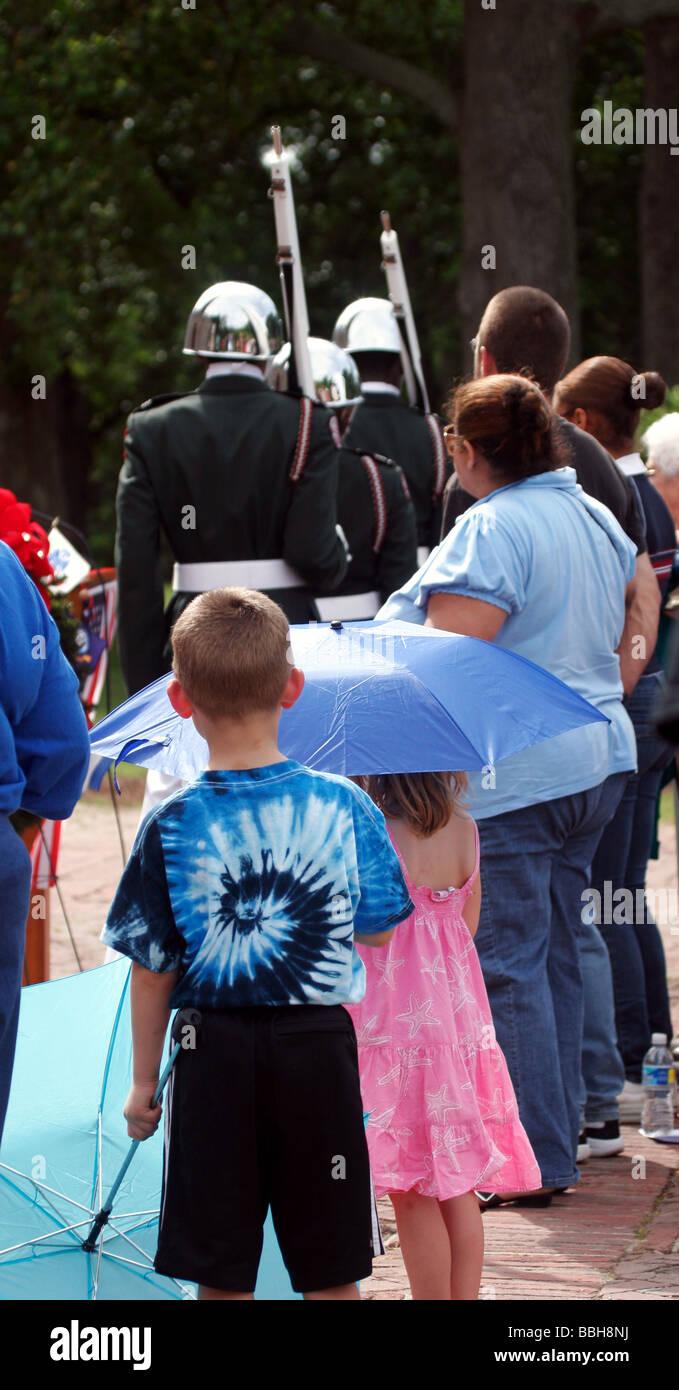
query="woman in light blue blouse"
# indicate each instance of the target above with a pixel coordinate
(541, 568)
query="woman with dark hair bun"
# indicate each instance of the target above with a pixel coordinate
(605, 396)
(541, 568)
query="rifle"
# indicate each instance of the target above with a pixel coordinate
(289, 261)
(392, 266)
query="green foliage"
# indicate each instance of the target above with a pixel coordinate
(158, 120)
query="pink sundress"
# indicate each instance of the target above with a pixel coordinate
(443, 1114)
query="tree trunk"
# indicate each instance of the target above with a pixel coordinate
(46, 448)
(659, 213)
(516, 155)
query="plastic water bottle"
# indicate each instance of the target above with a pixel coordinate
(657, 1078)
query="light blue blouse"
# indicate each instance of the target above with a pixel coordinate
(557, 562)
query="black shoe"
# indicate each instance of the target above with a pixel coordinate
(488, 1200)
(605, 1139)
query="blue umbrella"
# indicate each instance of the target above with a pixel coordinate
(64, 1143)
(379, 697)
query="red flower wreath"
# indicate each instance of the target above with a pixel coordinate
(27, 539)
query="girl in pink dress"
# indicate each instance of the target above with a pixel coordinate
(443, 1114)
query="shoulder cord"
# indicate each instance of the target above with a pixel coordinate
(303, 437)
(379, 501)
(439, 455)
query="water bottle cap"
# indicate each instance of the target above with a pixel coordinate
(658, 1039)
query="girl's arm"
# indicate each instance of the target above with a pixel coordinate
(472, 907)
(150, 1002)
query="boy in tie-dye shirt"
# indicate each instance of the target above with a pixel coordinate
(242, 897)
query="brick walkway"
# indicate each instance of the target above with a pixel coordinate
(616, 1237)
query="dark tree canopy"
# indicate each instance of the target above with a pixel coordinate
(157, 120)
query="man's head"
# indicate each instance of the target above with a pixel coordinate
(661, 442)
(231, 658)
(380, 366)
(523, 330)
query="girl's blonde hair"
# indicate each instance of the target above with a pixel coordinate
(426, 800)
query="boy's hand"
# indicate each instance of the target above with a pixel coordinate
(143, 1117)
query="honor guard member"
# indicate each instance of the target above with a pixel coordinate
(374, 509)
(383, 422)
(241, 480)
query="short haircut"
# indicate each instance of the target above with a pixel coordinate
(527, 331)
(231, 653)
(661, 442)
(379, 366)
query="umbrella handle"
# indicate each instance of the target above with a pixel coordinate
(102, 1216)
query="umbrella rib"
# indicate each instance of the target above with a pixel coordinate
(135, 1264)
(37, 1240)
(42, 1187)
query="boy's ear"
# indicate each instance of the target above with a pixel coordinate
(179, 699)
(293, 689)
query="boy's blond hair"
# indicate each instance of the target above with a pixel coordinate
(231, 653)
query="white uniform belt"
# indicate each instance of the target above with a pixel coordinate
(345, 607)
(423, 552)
(248, 574)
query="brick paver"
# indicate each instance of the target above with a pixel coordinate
(615, 1237)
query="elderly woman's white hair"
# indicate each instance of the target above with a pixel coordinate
(661, 442)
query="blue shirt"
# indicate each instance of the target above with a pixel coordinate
(252, 884)
(44, 744)
(557, 562)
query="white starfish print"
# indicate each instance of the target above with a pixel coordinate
(446, 1144)
(387, 968)
(364, 1035)
(496, 1107)
(382, 1121)
(402, 1069)
(436, 1104)
(459, 972)
(418, 1016)
(434, 968)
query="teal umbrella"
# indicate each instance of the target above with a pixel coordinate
(64, 1144)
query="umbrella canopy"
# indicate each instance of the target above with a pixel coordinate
(65, 1140)
(379, 697)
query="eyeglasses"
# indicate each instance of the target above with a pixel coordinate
(473, 343)
(452, 438)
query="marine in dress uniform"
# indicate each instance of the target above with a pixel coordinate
(374, 508)
(241, 480)
(383, 423)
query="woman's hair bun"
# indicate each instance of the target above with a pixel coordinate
(530, 416)
(646, 391)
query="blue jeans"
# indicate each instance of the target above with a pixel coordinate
(15, 894)
(603, 1074)
(534, 869)
(635, 947)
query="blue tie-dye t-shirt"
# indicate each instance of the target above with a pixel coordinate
(252, 883)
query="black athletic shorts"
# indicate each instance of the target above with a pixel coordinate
(267, 1112)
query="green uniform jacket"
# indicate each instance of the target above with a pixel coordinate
(377, 516)
(384, 424)
(211, 471)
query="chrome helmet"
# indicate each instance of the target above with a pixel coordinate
(368, 325)
(234, 321)
(337, 381)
